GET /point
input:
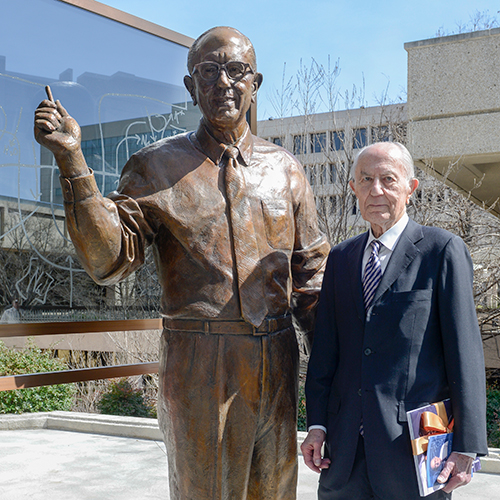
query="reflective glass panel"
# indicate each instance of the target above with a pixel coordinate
(124, 87)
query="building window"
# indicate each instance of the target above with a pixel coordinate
(334, 207)
(380, 134)
(329, 174)
(354, 209)
(278, 141)
(299, 145)
(333, 173)
(324, 175)
(359, 138)
(318, 142)
(313, 177)
(338, 140)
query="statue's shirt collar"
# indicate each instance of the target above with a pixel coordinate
(215, 150)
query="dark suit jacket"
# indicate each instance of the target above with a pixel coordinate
(418, 344)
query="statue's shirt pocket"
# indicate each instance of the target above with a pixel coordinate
(278, 221)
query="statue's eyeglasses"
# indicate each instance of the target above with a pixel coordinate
(210, 71)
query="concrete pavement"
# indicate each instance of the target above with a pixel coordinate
(40, 462)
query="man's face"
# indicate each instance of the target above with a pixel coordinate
(381, 186)
(225, 100)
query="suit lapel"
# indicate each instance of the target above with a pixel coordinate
(401, 257)
(354, 259)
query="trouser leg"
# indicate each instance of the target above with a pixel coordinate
(228, 414)
(274, 463)
(359, 488)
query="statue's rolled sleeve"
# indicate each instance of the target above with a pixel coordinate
(79, 188)
(109, 239)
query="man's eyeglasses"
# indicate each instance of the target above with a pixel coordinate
(210, 71)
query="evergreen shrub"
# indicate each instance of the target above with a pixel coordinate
(122, 399)
(301, 421)
(493, 415)
(31, 359)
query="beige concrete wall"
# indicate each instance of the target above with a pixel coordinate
(452, 75)
(455, 136)
(454, 95)
(454, 110)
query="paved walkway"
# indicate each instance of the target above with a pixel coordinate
(47, 464)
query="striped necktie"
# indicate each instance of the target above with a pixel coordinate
(372, 275)
(371, 280)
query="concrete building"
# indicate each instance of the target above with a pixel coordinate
(454, 111)
(450, 125)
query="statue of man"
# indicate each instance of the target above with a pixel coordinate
(233, 225)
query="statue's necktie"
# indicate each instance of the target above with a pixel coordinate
(246, 252)
(372, 275)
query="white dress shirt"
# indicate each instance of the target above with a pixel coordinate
(388, 242)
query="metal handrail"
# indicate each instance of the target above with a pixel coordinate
(71, 327)
(12, 382)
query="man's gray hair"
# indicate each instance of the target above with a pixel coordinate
(406, 159)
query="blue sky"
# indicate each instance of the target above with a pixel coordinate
(366, 37)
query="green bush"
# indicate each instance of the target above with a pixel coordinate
(123, 399)
(31, 359)
(493, 416)
(301, 421)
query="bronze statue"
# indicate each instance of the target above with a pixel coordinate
(233, 225)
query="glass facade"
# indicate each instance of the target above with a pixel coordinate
(125, 88)
(106, 74)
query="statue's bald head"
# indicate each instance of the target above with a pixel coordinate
(215, 38)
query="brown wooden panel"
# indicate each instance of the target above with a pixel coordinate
(13, 382)
(63, 327)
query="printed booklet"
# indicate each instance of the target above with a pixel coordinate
(431, 434)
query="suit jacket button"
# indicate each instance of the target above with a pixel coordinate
(359, 392)
(368, 351)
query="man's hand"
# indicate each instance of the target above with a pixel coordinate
(311, 450)
(458, 469)
(60, 133)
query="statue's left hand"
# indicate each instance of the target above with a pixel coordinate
(56, 129)
(60, 133)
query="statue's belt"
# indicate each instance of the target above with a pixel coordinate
(228, 327)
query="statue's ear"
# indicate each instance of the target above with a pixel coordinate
(189, 84)
(257, 82)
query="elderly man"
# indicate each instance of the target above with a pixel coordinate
(233, 225)
(396, 330)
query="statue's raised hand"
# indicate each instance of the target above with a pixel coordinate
(60, 133)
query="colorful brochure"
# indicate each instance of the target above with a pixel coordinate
(431, 434)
